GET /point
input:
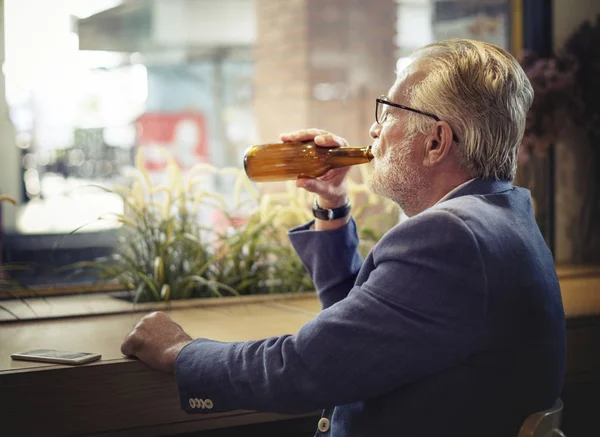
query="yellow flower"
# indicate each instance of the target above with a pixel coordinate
(138, 194)
(165, 292)
(159, 270)
(139, 164)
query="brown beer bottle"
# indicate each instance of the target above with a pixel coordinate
(294, 160)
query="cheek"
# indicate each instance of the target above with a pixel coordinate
(401, 154)
(381, 150)
(386, 142)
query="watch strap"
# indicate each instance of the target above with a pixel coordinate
(330, 214)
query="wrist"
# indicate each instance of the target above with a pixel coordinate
(330, 218)
(332, 202)
(330, 225)
(173, 352)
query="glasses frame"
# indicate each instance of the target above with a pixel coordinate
(383, 101)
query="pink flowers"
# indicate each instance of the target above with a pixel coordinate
(567, 91)
(556, 103)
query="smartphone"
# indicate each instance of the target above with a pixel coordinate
(54, 356)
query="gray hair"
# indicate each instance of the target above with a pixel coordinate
(483, 93)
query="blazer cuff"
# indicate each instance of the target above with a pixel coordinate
(327, 255)
(194, 395)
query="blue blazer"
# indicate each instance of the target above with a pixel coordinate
(453, 325)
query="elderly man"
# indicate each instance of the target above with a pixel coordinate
(453, 324)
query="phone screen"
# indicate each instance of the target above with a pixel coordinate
(55, 356)
(49, 353)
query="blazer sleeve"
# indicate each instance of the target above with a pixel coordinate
(420, 311)
(331, 259)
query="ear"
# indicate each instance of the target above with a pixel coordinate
(438, 144)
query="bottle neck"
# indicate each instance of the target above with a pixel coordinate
(351, 155)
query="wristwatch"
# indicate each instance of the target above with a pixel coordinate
(330, 214)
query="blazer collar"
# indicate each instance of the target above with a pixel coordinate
(482, 187)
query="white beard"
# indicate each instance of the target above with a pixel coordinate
(398, 178)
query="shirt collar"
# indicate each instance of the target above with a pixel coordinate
(454, 190)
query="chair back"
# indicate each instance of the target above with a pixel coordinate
(544, 423)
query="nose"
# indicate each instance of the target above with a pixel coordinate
(375, 129)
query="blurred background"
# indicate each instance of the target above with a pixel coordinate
(88, 82)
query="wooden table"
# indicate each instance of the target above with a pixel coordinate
(122, 397)
(118, 395)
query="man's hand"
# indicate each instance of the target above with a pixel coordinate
(331, 188)
(156, 340)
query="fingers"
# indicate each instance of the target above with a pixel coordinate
(330, 185)
(320, 136)
(301, 135)
(329, 139)
(316, 186)
(131, 344)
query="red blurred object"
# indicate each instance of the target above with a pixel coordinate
(183, 134)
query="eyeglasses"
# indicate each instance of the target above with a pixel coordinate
(381, 113)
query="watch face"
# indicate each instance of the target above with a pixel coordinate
(322, 214)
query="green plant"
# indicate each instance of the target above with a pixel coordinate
(7, 283)
(166, 254)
